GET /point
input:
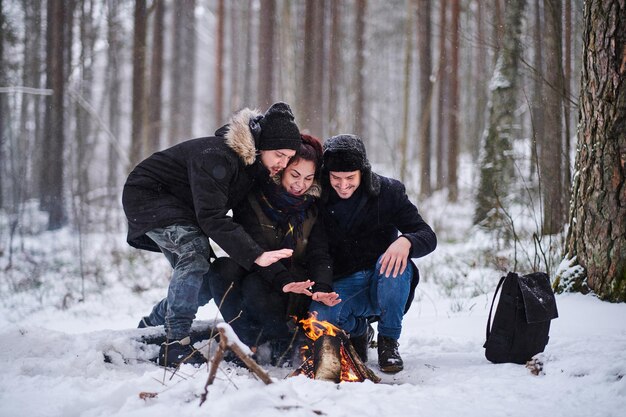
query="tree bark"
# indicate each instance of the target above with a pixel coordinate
(441, 96)
(267, 22)
(112, 82)
(219, 61)
(597, 221)
(426, 92)
(496, 169)
(52, 192)
(453, 134)
(551, 151)
(358, 123)
(155, 105)
(139, 69)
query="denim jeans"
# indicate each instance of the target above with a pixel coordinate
(365, 294)
(187, 249)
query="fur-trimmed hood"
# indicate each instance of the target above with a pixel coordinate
(241, 133)
(315, 190)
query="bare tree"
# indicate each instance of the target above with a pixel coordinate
(155, 102)
(551, 150)
(441, 95)
(267, 21)
(453, 131)
(310, 101)
(219, 61)
(113, 82)
(408, 59)
(139, 75)
(52, 188)
(597, 220)
(496, 169)
(537, 113)
(426, 92)
(358, 124)
(335, 68)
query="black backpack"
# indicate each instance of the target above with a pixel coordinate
(522, 320)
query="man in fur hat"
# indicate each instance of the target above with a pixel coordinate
(178, 198)
(373, 232)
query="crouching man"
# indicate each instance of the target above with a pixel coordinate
(373, 232)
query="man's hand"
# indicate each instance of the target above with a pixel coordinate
(395, 258)
(302, 287)
(329, 298)
(269, 257)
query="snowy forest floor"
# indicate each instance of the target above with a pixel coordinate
(55, 327)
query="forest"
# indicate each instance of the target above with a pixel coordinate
(514, 108)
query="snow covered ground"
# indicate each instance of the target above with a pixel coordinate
(52, 342)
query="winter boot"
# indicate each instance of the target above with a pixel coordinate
(145, 322)
(176, 352)
(362, 343)
(389, 359)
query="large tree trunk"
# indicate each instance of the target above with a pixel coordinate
(496, 170)
(426, 92)
(408, 59)
(311, 97)
(335, 70)
(441, 96)
(597, 223)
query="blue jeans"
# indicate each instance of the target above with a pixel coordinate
(187, 249)
(365, 294)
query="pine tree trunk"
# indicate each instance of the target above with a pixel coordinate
(335, 70)
(139, 68)
(537, 113)
(219, 61)
(551, 150)
(598, 208)
(426, 92)
(453, 134)
(156, 80)
(441, 96)
(265, 84)
(358, 124)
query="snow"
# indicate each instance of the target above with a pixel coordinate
(52, 342)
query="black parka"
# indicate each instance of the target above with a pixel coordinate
(197, 182)
(384, 212)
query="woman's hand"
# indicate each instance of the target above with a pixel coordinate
(269, 257)
(302, 287)
(331, 299)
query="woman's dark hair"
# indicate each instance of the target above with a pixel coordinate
(310, 150)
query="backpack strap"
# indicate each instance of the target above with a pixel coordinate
(492, 303)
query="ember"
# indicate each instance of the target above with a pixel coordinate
(330, 356)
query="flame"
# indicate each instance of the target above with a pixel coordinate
(313, 328)
(347, 368)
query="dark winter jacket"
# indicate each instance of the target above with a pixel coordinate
(310, 259)
(197, 182)
(382, 210)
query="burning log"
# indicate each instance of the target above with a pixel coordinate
(330, 356)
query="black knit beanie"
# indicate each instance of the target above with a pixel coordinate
(278, 129)
(345, 153)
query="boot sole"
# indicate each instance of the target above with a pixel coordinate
(391, 369)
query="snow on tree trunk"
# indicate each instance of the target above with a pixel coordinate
(597, 227)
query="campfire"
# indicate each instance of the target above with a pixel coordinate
(329, 355)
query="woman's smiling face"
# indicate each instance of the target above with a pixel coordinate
(298, 177)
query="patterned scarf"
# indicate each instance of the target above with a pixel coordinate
(286, 210)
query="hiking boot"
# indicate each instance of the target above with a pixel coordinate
(362, 343)
(177, 352)
(145, 322)
(389, 359)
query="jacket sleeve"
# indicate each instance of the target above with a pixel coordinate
(210, 177)
(411, 225)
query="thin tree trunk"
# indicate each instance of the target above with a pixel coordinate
(453, 135)
(408, 58)
(551, 155)
(567, 82)
(155, 122)
(441, 95)
(265, 84)
(426, 92)
(139, 68)
(537, 112)
(358, 123)
(335, 68)
(113, 81)
(597, 220)
(219, 61)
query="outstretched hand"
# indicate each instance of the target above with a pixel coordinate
(395, 258)
(302, 287)
(269, 257)
(329, 298)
